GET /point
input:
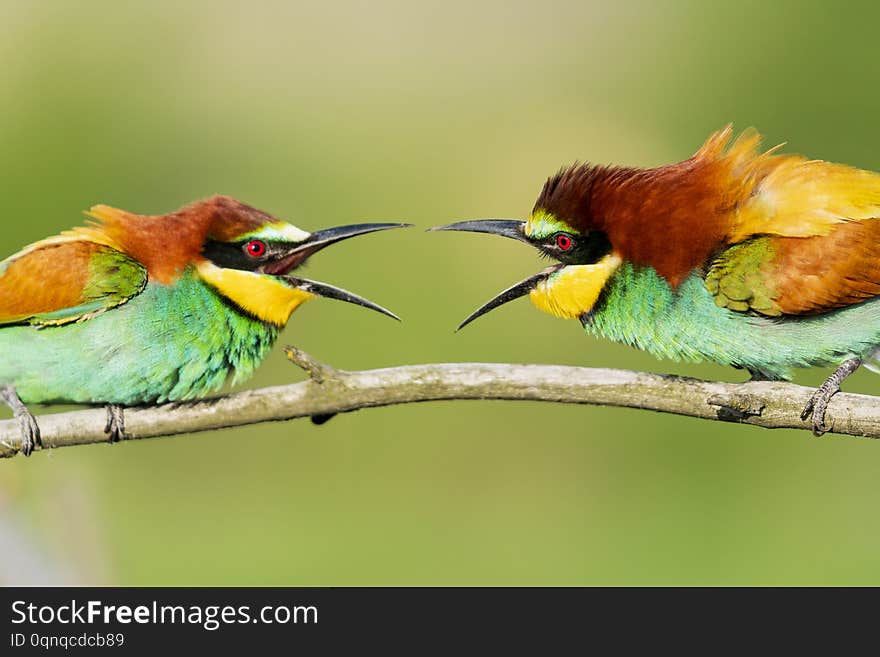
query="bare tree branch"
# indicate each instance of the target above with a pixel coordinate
(330, 391)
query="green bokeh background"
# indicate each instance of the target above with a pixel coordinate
(330, 113)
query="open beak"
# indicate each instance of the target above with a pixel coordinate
(315, 242)
(505, 228)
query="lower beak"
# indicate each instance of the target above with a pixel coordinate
(332, 292)
(521, 289)
(315, 242)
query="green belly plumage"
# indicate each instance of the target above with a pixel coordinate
(169, 343)
(639, 308)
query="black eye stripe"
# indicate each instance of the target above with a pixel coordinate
(233, 255)
(583, 249)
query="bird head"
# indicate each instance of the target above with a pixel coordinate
(562, 229)
(249, 256)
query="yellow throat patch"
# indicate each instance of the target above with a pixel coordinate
(263, 297)
(574, 289)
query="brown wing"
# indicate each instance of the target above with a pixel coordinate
(800, 275)
(64, 279)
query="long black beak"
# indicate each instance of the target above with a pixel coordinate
(319, 240)
(514, 292)
(332, 292)
(504, 227)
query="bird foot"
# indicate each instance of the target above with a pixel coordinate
(30, 430)
(30, 433)
(816, 407)
(115, 427)
(815, 410)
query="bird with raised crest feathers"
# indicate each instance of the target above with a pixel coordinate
(137, 309)
(759, 260)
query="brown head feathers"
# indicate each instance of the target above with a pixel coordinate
(166, 244)
(672, 218)
(567, 195)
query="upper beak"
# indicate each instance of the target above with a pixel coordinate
(505, 228)
(317, 241)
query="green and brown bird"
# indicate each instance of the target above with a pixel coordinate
(759, 260)
(136, 309)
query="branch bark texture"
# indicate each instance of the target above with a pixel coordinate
(329, 391)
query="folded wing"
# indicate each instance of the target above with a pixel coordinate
(804, 239)
(66, 279)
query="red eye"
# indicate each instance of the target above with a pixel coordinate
(563, 241)
(255, 248)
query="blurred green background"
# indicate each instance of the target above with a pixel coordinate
(330, 113)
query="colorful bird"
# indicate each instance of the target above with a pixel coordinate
(763, 261)
(139, 309)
